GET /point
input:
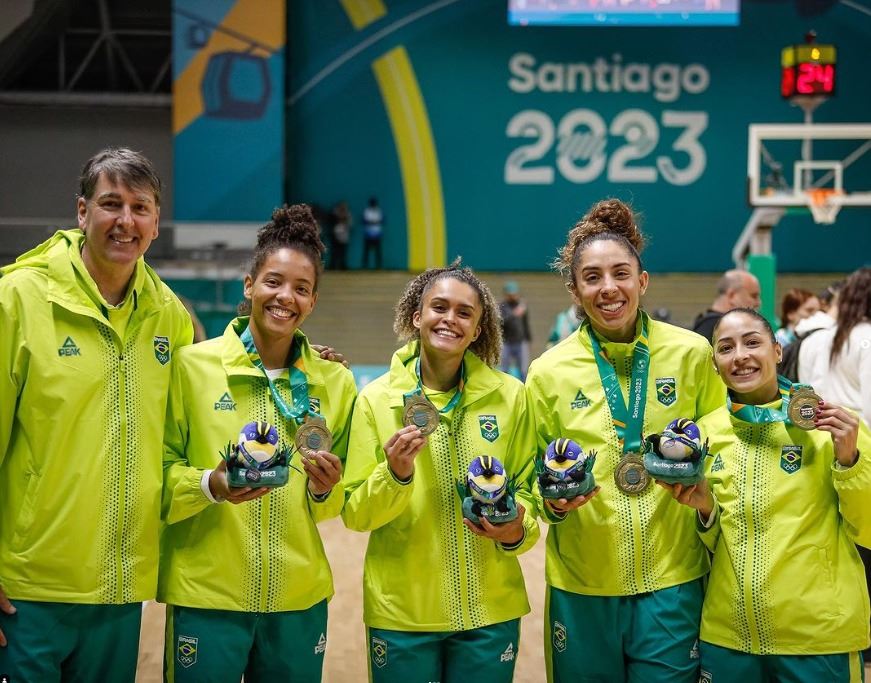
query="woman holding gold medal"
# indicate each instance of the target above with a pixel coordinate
(247, 584)
(787, 496)
(624, 564)
(442, 601)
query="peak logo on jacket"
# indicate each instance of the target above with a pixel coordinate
(69, 348)
(581, 401)
(226, 402)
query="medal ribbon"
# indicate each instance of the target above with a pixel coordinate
(298, 382)
(763, 415)
(455, 399)
(628, 421)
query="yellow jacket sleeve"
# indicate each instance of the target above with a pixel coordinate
(853, 486)
(182, 495)
(374, 497)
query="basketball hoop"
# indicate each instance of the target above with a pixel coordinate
(824, 204)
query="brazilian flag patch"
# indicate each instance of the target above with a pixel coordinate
(314, 405)
(379, 652)
(489, 427)
(666, 390)
(186, 651)
(161, 349)
(790, 459)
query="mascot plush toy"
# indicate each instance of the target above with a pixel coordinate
(565, 471)
(676, 456)
(487, 492)
(256, 459)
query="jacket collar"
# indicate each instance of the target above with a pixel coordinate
(235, 359)
(481, 379)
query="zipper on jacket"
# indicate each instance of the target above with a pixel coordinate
(265, 510)
(122, 488)
(458, 514)
(748, 561)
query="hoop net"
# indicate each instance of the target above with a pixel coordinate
(824, 204)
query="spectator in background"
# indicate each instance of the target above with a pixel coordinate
(342, 222)
(515, 331)
(566, 322)
(373, 228)
(848, 380)
(813, 350)
(736, 289)
(797, 305)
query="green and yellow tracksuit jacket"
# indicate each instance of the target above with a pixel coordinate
(265, 555)
(786, 577)
(83, 390)
(619, 544)
(424, 571)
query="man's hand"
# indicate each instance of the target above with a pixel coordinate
(329, 353)
(324, 471)
(7, 608)
(509, 533)
(220, 487)
(402, 449)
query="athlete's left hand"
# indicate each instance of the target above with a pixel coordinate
(508, 533)
(844, 428)
(324, 471)
(329, 353)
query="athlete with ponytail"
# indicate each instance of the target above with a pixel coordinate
(787, 497)
(624, 564)
(243, 569)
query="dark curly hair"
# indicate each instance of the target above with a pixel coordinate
(488, 345)
(609, 219)
(292, 227)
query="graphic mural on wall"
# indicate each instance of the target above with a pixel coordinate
(228, 109)
(490, 140)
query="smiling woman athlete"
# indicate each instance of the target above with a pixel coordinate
(782, 509)
(442, 602)
(247, 584)
(624, 586)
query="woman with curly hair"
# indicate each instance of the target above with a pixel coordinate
(443, 596)
(623, 572)
(247, 583)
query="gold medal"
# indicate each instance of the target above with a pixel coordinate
(803, 404)
(313, 435)
(630, 475)
(420, 412)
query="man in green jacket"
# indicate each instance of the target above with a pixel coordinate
(89, 331)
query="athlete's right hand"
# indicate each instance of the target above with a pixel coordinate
(564, 506)
(401, 450)
(7, 608)
(220, 487)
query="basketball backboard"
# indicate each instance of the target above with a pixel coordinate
(817, 167)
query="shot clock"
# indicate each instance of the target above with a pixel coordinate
(808, 71)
